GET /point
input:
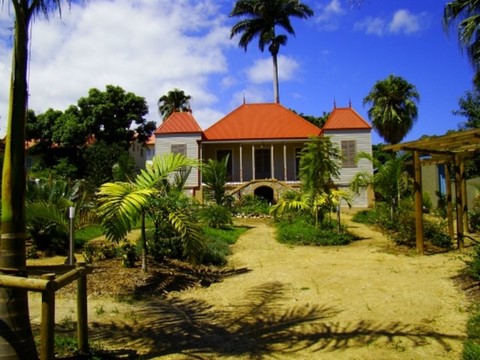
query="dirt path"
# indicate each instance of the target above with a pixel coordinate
(354, 302)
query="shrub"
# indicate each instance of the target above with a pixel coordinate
(473, 265)
(100, 250)
(216, 216)
(129, 254)
(471, 347)
(302, 232)
(474, 214)
(217, 245)
(252, 205)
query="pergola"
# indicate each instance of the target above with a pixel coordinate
(450, 149)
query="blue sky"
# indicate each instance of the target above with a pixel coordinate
(152, 46)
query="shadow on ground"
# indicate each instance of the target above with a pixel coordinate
(257, 327)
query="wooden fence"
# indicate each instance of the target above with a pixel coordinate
(48, 284)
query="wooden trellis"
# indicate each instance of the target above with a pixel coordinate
(450, 150)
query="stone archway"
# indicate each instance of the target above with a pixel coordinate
(265, 192)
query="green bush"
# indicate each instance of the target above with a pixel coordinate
(251, 205)
(473, 265)
(474, 214)
(216, 216)
(100, 250)
(471, 347)
(217, 244)
(301, 231)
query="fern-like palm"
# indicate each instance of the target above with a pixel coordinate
(122, 204)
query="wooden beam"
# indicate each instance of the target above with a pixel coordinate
(448, 187)
(459, 201)
(418, 203)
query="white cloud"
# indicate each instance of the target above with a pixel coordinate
(328, 15)
(402, 22)
(405, 22)
(371, 26)
(146, 47)
(262, 70)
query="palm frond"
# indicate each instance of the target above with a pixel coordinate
(191, 235)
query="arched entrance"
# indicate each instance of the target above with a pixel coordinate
(265, 192)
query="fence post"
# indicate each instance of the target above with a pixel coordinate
(82, 314)
(47, 349)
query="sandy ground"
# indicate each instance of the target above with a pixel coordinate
(353, 302)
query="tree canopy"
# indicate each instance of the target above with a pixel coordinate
(259, 18)
(393, 107)
(175, 100)
(102, 117)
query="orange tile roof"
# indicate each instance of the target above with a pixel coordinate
(345, 119)
(179, 122)
(261, 121)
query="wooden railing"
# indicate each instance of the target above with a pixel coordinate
(48, 284)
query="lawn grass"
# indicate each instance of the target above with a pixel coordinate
(86, 234)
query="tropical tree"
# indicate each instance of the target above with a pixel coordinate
(464, 14)
(393, 107)
(175, 100)
(260, 18)
(122, 204)
(319, 165)
(16, 339)
(214, 175)
(390, 182)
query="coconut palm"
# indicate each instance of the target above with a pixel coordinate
(174, 100)
(393, 107)
(465, 14)
(16, 340)
(122, 204)
(259, 19)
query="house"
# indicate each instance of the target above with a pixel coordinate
(142, 151)
(263, 142)
(180, 133)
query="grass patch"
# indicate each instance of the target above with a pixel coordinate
(301, 232)
(218, 244)
(86, 234)
(471, 347)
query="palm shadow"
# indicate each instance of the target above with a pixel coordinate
(256, 327)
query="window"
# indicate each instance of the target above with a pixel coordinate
(179, 149)
(349, 150)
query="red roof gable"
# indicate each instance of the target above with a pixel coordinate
(261, 121)
(179, 122)
(345, 119)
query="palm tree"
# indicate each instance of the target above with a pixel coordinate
(390, 182)
(394, 108)
(214, 173)
(122, 204)
(465, 14)
(259, 19)
(16, 340)
(318, 166)
(174, 100)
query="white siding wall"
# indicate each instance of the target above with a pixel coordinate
(364, 143)
(141, 157)
(163, 144)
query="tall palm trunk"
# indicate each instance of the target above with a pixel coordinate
(16, 339)
(276, 94)
(144, 244)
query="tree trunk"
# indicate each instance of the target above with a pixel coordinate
(276, 94)
(144, 244)
(16, 339)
